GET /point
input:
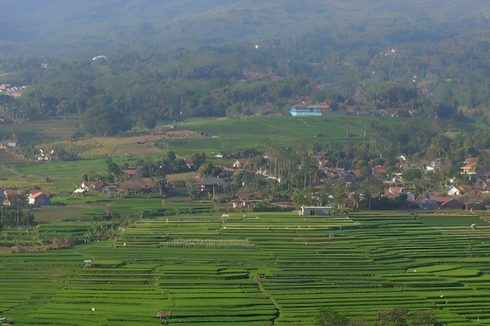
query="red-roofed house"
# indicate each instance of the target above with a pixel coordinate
(6, 195)
(46, 192)
(380, 172)
(130, 172)
(452, 204)
(440, 200)
(39, 199)
(395, 190)
(145, 185)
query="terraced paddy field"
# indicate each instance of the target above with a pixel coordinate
(257, 269)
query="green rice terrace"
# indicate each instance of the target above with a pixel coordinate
(256, 269)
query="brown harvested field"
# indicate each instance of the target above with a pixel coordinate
(7, 157)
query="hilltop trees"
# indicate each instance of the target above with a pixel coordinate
(103, 121)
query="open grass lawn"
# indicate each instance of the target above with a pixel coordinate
(255, 269)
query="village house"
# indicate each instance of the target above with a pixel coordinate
(348, 176)
(39, 198)
(428, 204)
(91, 186)
(6, 196)
(98, 185)
(10, 143)
(145, 186)
(393, 192)
(210, 184)
(473, 205)
(440, 199)
(466, 197)
(112, 191)
(247, 199)
(397, 191)
(130, 172)
(480, 185)
(470, 167)
(240, 162)
(380, 172)
(453, 191)
(452, 204)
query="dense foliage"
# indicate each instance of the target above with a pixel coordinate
(15, 217)
(424, 64)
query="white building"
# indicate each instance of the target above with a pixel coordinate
(316, 210)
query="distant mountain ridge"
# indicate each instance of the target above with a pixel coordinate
(78, 24)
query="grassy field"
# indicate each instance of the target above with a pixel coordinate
(214, 135)
(33, 131)
(236, 134)
(205, 135)
(255, 269)
(64, 176)
(208, 135)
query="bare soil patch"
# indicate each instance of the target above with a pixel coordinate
(8, 157)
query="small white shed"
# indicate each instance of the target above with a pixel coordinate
(316, 210)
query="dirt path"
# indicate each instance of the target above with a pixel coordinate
(264, 292)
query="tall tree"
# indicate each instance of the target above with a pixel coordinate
(329, 317)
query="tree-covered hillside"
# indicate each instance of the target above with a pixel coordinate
(59, 25)
(173, 60)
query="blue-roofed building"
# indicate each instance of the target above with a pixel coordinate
(306, 111)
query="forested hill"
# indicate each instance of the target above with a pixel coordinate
(179, 59)
(79, 24)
